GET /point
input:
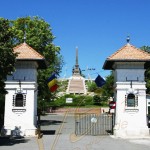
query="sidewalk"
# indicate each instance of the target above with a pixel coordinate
(59, 135)
(65, 142)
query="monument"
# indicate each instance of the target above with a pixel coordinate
(21, 100)
(128, 65)
(76, 84)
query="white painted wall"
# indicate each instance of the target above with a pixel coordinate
(24, 117)
(130, 121)
(24, 70)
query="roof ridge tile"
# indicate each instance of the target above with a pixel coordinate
(122, 53)
(27, 52)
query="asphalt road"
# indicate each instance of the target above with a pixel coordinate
(58, 134)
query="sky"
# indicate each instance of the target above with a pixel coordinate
(97, 27)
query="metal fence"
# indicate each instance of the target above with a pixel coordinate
(94, 124)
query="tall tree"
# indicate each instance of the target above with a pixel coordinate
(7, 60)
(7, 56)
(146, 48)
(39, 36)
(147, 72)
(108, 89)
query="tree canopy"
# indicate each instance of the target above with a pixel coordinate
(7, 60)
(106, 91)
(38, 34)
(147, 72)
(146, 48)
(7, 56)
(108, 88)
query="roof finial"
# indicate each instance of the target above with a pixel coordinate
(24, 38)
(128, 39)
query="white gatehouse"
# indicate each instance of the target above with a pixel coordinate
(128, 65)
(21, 101)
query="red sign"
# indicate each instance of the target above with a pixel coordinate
(112, 105)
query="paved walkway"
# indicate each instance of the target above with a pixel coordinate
(58, 130)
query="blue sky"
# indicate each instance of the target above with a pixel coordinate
(97, 27)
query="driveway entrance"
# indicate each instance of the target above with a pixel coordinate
(94, 124)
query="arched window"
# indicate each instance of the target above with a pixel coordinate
(19, 100)
(131, 100)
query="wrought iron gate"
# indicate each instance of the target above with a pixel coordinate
(94, 124)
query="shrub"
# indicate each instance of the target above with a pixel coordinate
(96, 100)
(78, 100)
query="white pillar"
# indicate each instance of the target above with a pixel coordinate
(131, 121)
(24, 117)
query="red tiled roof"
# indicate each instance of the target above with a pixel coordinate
(127, 53)
(26, 52)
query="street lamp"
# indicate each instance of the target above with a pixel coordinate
(90, 69)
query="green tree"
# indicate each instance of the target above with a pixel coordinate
(147, 72)
(147, 80)
(108, 89)
(96, 99)
(91, 86)
(39, 36)
(146, 48)
(7, 56)
(7, 60)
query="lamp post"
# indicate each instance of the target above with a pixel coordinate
(90, 69)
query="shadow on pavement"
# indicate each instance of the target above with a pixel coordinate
(7, 141)
(48, 132)
(50, 122)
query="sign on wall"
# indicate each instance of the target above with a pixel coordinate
(69, 100)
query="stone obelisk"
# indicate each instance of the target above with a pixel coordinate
(76, 83)
(76, 70)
